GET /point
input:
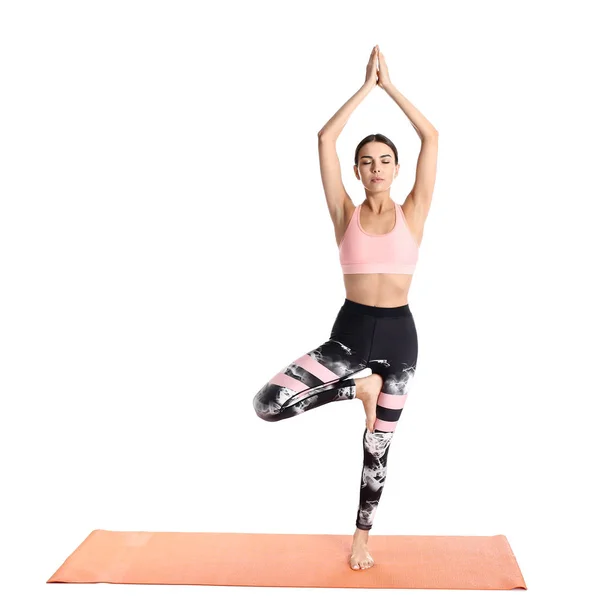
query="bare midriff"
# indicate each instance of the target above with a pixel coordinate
(378, 289)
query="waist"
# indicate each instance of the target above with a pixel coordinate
(353, 307)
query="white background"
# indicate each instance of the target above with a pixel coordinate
(165, 249)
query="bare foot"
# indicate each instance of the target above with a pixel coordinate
(368, 390)
(360, 556)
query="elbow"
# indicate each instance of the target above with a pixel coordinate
(432, 134)
(323, 136)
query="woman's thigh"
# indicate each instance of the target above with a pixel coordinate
(394, 356)
(321, 375)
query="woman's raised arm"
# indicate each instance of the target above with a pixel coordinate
(330, 167)
(421, 194)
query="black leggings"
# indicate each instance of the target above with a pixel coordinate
(383, 339)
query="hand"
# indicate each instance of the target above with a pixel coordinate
(383, 75)
(371, 72)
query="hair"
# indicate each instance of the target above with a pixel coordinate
(376, 137)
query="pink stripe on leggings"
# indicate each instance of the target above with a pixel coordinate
(385, 425)
(314, 367)
(289, 382)
(391, 400)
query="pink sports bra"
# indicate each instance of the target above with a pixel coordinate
(392, 252)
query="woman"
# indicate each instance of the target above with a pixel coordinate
(378, 248)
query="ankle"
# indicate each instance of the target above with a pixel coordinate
(359, 387)
(361, 383)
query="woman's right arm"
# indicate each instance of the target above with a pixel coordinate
(335, 125)
(330, 167)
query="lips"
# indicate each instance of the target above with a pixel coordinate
(378, 179)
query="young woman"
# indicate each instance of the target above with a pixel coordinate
(378, 247)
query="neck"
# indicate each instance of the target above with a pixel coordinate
(379, 203)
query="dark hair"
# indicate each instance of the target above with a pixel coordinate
(376, 137)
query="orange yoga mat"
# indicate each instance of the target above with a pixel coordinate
(292, 560)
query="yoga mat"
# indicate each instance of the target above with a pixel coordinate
(292, 560)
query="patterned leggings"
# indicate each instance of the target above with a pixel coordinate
(383, 339)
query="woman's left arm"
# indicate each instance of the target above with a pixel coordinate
(422, 190)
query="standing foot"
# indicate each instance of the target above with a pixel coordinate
(360, 556)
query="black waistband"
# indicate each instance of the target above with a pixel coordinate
(377, 311)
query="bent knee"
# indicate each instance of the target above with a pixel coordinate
(265, 403)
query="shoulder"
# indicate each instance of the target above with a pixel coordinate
(414, 212)
(343, 222)
(414, 216)
(347, 212)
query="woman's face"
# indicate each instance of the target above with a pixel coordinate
(376, 160)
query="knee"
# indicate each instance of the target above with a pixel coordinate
(265, 403)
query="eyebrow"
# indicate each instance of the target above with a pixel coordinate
(382, 156)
